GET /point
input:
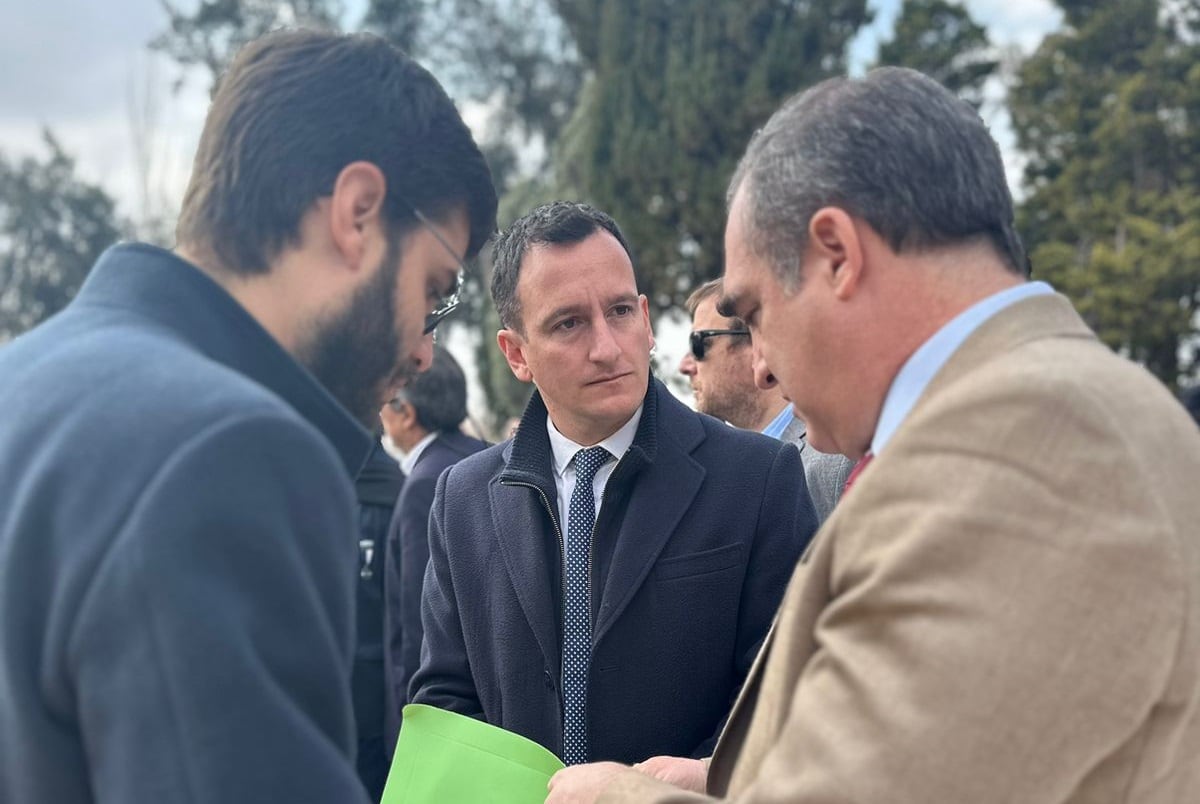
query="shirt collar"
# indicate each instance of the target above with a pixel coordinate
(564, 449)
(923, 364)
(414, 454)
(779, 423)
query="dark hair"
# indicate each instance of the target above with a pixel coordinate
(439, 395)
(291, 112)
(559, 222)
(893, 148)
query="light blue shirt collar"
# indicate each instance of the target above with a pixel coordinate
(920, 368)
(779, 423)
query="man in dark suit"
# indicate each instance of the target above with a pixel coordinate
(178, 543)
(601, 582)
(377, 488)
(426, 416)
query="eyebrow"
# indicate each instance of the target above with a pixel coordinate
(576, 309)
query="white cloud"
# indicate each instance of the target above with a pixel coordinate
(1017, 22)
(77, 67)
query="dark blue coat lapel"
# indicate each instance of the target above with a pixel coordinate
(666, 483)
(523, 498)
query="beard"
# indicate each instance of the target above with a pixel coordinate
(356, 353)
(740, 410)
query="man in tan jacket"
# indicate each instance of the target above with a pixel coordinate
(1005, 607)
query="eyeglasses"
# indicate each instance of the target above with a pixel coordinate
(701, 335)
(451, 302)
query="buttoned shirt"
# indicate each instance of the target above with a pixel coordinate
(563, 450)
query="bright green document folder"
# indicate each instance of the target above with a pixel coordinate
(446, 758)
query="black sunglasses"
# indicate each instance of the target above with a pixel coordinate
(701, 335)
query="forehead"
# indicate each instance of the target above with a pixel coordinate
(706, 315)
(568, 273)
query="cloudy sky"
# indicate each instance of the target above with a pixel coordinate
(82, 69)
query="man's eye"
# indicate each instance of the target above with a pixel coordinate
(567, 324)
(623, 309)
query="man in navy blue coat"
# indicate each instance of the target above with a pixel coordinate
(424, 422)
(615, 617)
(178, 546)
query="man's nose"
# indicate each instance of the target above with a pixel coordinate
(605, 348)
(687, 366)
(763, 377)
(422, 356)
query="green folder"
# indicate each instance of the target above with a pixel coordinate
(443, 758)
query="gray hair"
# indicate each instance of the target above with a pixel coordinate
(893, 148)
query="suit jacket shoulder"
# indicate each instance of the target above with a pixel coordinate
(1038, 481)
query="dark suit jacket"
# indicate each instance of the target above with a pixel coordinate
(377, 487)
(177, 557)
(407, 555)
(698, 531)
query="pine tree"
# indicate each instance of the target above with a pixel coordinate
(943, 41)
(1107, 111)
(677, 87)
(53, 226)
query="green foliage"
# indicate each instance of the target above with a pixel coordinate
(676, 88)
(52, 228)
(1107, 112)
(942, 40)
(514, 55)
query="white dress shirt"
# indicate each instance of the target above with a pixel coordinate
(413, 455)
(563, 453)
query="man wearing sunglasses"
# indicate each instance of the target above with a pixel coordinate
(600, 582)
(179, 543)
(720, 366)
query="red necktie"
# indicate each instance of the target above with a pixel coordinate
(857, 470)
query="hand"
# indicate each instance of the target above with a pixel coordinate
(690, 774)
(582, 784)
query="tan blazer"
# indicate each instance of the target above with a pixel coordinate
(1005, 607)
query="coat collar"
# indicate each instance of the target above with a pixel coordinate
(528, 458)
(663, 480)
(160, 286)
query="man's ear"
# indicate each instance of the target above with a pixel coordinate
(513, 346)
(644, 304)
(356, 211)
(836, 250)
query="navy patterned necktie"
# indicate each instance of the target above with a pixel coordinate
(577, 618)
